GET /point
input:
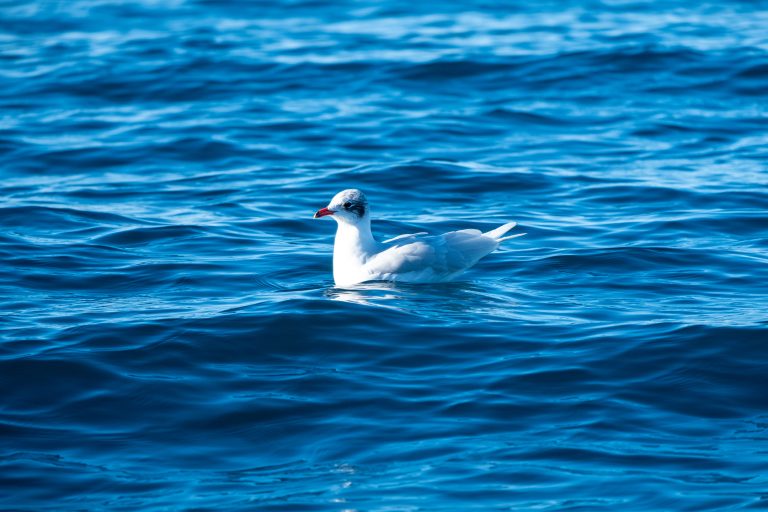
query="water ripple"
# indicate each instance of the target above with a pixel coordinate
(171, 337)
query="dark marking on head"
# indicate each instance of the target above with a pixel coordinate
(356, 207)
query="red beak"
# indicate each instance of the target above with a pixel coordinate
(322, 212)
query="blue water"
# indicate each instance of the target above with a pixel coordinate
(171, 338)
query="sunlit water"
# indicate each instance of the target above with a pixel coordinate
(171, 335)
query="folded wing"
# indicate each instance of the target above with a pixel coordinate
(430, 258)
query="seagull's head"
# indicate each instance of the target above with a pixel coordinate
(348, 206)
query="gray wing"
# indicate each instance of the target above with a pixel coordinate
(431, 258)
(400, 238)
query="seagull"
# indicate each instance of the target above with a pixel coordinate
(412, 258)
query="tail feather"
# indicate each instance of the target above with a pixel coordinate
(497, 234)
(510, 237)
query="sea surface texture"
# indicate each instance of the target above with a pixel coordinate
(170, 335)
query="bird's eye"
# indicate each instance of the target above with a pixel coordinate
(347, 204)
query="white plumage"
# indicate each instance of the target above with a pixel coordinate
(415, 258)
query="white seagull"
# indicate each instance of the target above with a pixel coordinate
(413, 258)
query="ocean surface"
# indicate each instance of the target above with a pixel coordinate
(170, 335)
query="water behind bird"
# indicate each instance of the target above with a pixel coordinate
(171, 336)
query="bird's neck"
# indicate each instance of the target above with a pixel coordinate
(355, 239)
(353, 246)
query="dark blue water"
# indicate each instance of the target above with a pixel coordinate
(171, 338)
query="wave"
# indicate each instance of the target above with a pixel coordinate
(56, 218)
(171, 337)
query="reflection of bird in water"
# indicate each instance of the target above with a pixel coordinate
(373, 294)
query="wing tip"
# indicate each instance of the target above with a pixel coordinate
(497, 233)
(502, 239)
